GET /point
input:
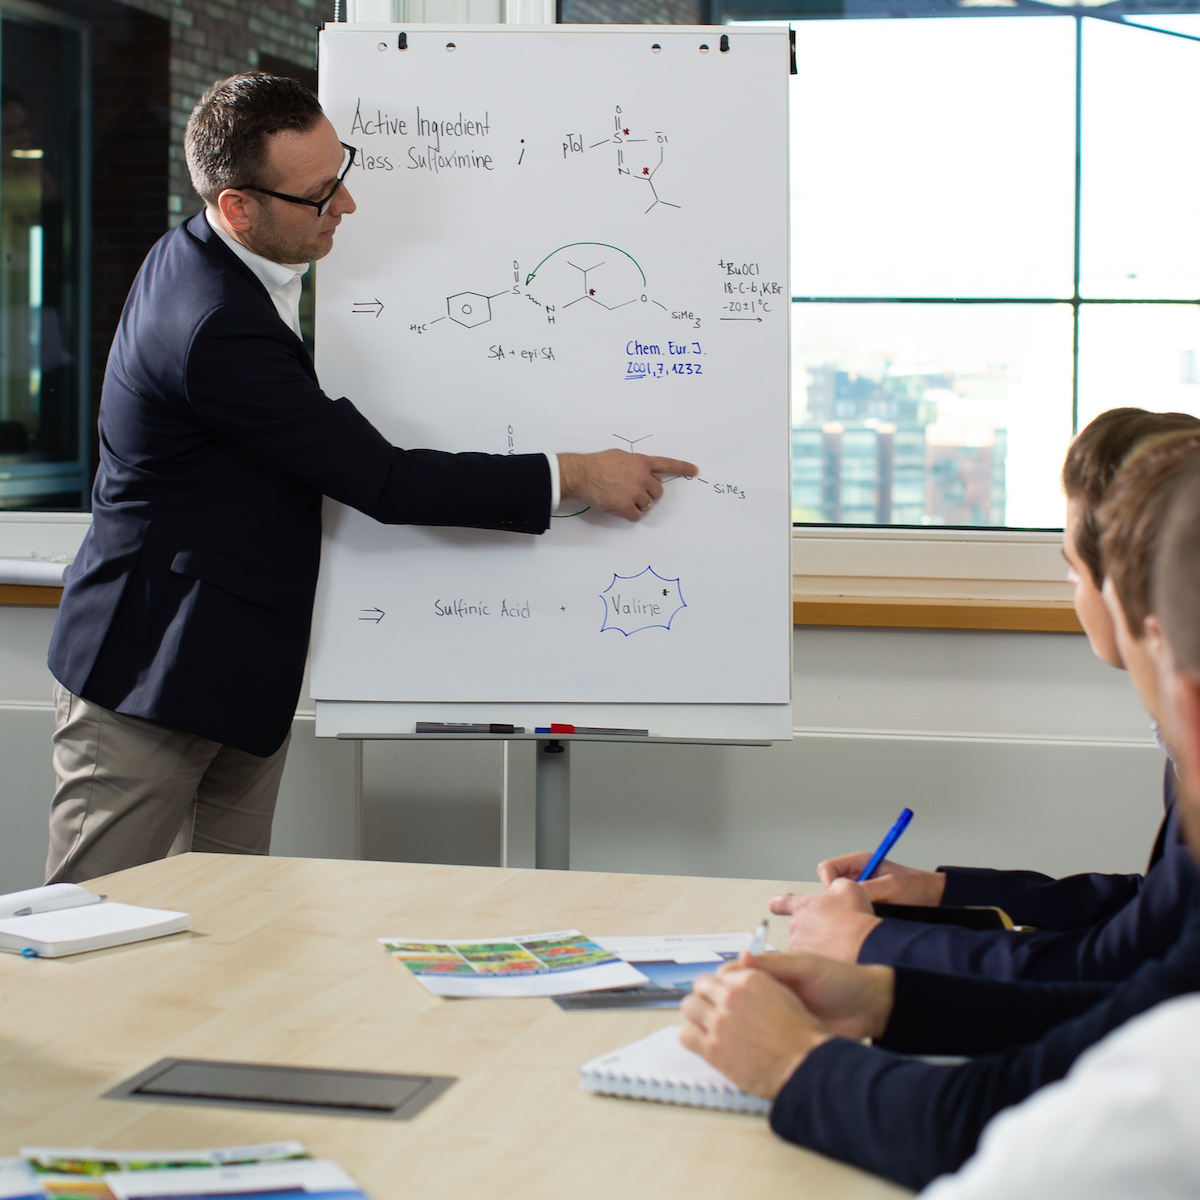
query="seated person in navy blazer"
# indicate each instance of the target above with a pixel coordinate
(181, 639)
(789, 1026)
(1093, 926)
(1122, 1123)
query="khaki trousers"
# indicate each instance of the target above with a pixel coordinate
(131, 791)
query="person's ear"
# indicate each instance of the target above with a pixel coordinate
(237, 209)
(1153, 636)
(1187, 716)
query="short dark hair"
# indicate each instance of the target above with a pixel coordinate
(226, 139)
(1133, 514)
(1094, 459)
(1176, 580)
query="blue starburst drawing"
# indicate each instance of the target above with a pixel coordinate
(646, 600)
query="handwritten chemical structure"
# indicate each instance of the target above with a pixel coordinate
(733, 491)
(718, 489)
(589, 288)
(471, 309)
(580, 273)
(638, 158)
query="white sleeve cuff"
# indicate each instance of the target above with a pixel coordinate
(555, 483)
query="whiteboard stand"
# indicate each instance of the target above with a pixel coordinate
(536, 820)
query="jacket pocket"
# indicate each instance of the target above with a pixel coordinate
(232, 575)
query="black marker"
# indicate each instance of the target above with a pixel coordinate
(467, 727)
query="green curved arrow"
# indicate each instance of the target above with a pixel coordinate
(618, 249)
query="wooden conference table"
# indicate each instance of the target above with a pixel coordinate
(282, 966)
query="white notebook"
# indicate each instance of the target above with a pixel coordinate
(50, 922)
(659, 1068)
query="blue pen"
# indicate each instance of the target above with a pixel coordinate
(889, 840)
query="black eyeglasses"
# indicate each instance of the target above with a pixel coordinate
(320, 205)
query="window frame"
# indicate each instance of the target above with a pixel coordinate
(33, 12)
(930, 576)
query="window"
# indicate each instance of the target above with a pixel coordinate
(993, 239)
(44, 445)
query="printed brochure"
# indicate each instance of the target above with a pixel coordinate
(527, 964)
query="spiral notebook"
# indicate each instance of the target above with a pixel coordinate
(659, 1068)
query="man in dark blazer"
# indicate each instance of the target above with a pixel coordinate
(181, 639)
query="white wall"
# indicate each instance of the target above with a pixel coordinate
(1013, 749)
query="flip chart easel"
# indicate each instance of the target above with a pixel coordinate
(536, 822)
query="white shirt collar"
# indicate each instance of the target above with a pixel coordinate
(282, 280)
(272, 274)
(1160, 741)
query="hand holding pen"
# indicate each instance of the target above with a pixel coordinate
(889, 840)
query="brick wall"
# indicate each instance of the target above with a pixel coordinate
(201, 41)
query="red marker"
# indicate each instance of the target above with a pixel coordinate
(594, 731)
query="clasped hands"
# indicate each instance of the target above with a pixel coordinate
(759, 1017)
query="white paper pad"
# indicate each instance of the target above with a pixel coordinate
(92, 927)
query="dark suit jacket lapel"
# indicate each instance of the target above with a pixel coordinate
(199, 228)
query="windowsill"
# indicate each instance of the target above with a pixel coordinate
(896, 612)
(39, 535)
(931, 579)
(29, 596)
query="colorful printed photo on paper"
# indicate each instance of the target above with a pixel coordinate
(429, 958)
(499, 958)
(564, 953)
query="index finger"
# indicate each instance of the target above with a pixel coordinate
(672, 466)
(708, 987)
(741, 963)
(845, 866)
